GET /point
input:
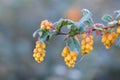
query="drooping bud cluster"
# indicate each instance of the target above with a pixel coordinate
(46, 25)
(39, 51)
(108, 39)
(86, 44)
(69, 56)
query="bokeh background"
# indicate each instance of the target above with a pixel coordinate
(20, 18)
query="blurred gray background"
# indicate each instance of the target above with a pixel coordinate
(20, 18)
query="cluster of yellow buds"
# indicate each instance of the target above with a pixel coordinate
(118, 30)
(108, 39)
(69, 56)
(39, 51)
(46, 25)
(86, 44)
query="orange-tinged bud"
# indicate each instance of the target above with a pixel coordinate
(41, 59)
(43, 45)
(84, 35)
(35, 50)
(118, 30)
(91, 48)
(83, 42)
(83, 47)
(87, 46)
(110, 37)
(45, 24)
(64, 54)
(34, 55)
(74, 58)
(66, 50)
(37, 45)
(72, 62)
(68, 57)
(73, 53)
(87, 39)
(40, 49)
(91, 42)
(91, 36)
(104, 39)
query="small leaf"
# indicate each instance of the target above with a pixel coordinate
(66, 22)
(46, 35)
(73, 30)
(117, 17)
(81, 27)
(107, 18)
(62, 23)
(43, 36)
(36, 32)
(50, 34)
(74, 45)
(86, 20)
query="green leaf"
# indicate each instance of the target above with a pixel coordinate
(117, 17)
(73, 30)
(62, 23)
(46, 35)
(66, 22)
(36, 32)
(107, 18)
(43, 36)
(74, 45)
(50, 34)
(85, 21)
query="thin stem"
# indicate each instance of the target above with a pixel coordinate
(61, 33)
(80, 59)
(93, 29)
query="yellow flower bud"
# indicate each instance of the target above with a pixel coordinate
(84, 35)
(43, 45)
(110, 37)
(41, 59)
(88, 39)
(118, 30)
(46, 25)
(83, 42)
(68, 57)
(104, 39)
